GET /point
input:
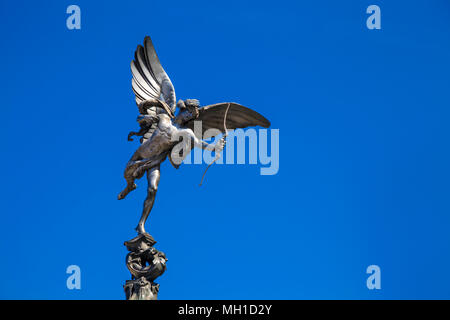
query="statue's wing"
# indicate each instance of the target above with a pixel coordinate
(150, 81)
(238, 116)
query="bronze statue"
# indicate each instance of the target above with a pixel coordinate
(155, 98)
(160, 131)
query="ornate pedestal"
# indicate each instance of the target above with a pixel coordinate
(145, 264)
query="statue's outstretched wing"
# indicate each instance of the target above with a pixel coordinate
(149, 78)
(150, 82)
(238, 116)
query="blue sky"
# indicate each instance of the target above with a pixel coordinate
(364, 160)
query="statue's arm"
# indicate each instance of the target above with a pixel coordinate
(218, 146)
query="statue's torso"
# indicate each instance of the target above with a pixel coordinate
(161, 141)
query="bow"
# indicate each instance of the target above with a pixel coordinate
(224, 137)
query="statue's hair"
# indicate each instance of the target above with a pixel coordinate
(192, 103)
(188, 105)
(180, 104)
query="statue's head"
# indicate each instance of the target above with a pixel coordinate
(188, 110)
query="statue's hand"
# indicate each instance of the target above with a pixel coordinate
(220, 145)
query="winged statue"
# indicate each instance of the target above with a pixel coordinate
(160, 127)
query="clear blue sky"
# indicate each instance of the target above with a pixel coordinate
(364, 149)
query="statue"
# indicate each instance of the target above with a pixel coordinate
(160, 131)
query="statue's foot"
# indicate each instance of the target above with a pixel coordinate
(140, 229)
(126, 191)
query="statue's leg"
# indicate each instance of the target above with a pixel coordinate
(153, 175)
(129, 177)
(130, 187)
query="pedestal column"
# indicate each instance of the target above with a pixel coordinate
(145, 264)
